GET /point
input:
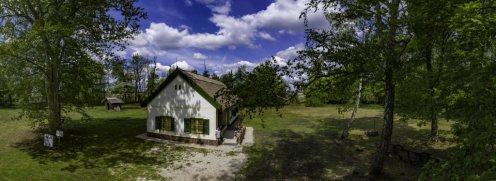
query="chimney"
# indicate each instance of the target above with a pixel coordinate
(194, 71)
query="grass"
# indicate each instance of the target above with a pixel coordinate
(103, 148)
(304, 144)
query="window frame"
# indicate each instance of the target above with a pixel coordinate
(197, 126)
(166, 123)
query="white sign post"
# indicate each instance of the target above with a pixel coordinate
(48, 140)
(59, 133)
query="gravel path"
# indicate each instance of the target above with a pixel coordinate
(216, 163)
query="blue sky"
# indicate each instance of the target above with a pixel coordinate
(224, 33)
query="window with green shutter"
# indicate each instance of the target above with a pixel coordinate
(196, 126)
(187, 125)
(164, 123)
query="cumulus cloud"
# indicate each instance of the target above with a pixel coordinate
(290, 52)
(217, 6)
(266, 36)
(162, 67)
(183, 65)
(166, 37)
(281, 16)
(199, 56)
(225, 68)
(147, 51)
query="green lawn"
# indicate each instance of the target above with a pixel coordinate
(103, 148)
(304, 144)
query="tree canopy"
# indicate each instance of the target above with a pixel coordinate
(59, 48)
(433, 59)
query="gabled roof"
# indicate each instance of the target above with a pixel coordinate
(205, 86)
(113, 100)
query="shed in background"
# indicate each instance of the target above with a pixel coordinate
(113, 103)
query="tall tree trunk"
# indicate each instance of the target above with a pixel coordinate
(136, 85)
(52, 91)
(432, 101)
(387, 129)
(390, 62)
(353, 114)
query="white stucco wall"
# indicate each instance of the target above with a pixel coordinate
(180, 104)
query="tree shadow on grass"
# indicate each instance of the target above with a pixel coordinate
(98, 143)
(322, 155)
(297, 155)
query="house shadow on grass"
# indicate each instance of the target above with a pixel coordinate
(322, 155)
(97, 143)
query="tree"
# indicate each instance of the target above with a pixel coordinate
(468, 87)
(54, 38)
(215, 76)
(346, 129)
(365, 38)
(244, 89)
(137, 65)
(123, 84)
(206, 74)
(152, 80)
(418, 95)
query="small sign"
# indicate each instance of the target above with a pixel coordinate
(59, 133)
(48, 140)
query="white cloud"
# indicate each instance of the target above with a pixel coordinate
(281, 58)
(290, 52)
(221, 69)
(217, 6)
(199, 56)
(266, 36)
(166, 37)
(281, 16)
(162, 68)
(147, 51)
(223, 9)
(120, 53)
(183, 65)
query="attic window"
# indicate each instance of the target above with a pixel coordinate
(177, 87)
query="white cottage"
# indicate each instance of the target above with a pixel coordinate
(184, 108)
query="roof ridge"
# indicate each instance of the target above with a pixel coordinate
(208, 79)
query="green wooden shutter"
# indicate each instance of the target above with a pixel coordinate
(187, 125)
(206, 127)
(158, 122)
(173, 126)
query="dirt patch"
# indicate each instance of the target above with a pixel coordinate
(206, 165)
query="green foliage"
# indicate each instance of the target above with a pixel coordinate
(255, 91)
(328, 90)
(470, 93)
(152, 79)
(137, 66)
(58, 48)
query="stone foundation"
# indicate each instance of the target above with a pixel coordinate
(182, 139)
